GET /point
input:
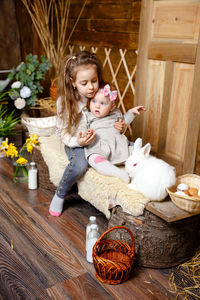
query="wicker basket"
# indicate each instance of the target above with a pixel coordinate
(54, 89)
(40, 126)
(113, 259)
(187, 203)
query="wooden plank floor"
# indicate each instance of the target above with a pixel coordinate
(43, 257)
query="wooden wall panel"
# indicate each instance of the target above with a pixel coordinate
(176, 20)
(171, 52)
(104, 23)
(107, 23)
(9, 37)
(169, 33)
(194, 118)
(105, 39)
(179, 110)
(154, 98)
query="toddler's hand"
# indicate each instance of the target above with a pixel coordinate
(136, 110)
(89, 132)
(120, 126)
(87, 138)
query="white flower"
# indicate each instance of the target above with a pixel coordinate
(20, 103)
(16, 85)
(25, 92)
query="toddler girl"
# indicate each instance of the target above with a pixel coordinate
(109, 147)
(79, 81)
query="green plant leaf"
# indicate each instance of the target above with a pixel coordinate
(30, 73)
(8, 121)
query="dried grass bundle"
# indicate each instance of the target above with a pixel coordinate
(47, 104)
(50, 19)
(185, 281)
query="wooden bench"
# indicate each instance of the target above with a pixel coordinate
(103, 192)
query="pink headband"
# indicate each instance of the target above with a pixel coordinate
(107, 92)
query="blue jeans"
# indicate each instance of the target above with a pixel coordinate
(75, 169)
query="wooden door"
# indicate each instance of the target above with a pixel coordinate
(168, 80)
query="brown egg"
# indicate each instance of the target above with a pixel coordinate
(193, 191)
(187, 192)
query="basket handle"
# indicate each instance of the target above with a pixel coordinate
(54, 80)
(109, 230)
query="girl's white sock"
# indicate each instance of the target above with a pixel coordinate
(56, 206)
(104, 167)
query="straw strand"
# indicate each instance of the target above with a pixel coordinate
(51, 23)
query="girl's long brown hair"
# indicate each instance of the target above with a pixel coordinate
(69, 95)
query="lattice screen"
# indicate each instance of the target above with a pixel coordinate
(119, 68)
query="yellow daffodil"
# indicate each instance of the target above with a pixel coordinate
(20, 165)
(11, 151)
(31, 142)
(29, 148)
(21, 161)
(4, 145)
(33, 139)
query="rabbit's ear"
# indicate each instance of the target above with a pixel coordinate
(146, 149)
(137, 144)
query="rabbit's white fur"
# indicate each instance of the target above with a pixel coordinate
(150, 175)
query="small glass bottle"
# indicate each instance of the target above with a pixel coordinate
(92, 220)
(32, 176)
(93, 236)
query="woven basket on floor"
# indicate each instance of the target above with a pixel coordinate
(188, 203)
(54, 89)
(113, 259)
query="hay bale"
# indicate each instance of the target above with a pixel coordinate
(185, 280)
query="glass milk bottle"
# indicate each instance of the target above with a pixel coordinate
(32, 176)
(93, 236)
(92, 220)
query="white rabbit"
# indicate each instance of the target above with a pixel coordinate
(150, 175)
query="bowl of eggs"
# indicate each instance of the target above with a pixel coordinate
(186, 193)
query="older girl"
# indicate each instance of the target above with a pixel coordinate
(80, 78)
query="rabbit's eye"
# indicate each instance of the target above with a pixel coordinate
(134, 165)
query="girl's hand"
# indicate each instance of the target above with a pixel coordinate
(87, 138)
(120, 126)
(136, 110)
